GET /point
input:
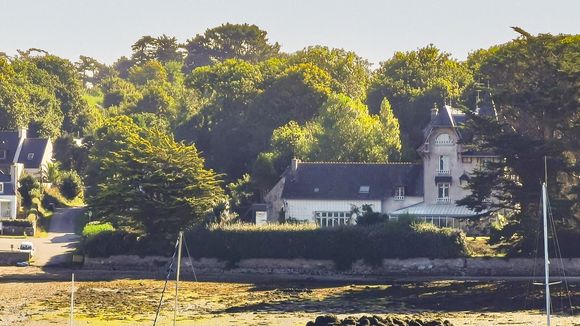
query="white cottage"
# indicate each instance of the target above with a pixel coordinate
(325, 192)
(19, 154)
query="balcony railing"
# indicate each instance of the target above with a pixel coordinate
(399, 197)
(444, 200)
(443, 172)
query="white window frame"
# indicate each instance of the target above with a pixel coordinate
(364, 189)
(439, 139)
(30, 156)
(443, 192)
(6, 209)
(1, 187)
(3, 154)
(332, 219)
(443, 165)
(399, 193)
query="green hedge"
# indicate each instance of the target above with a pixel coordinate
(92, 229)
(342, 245)
(17, 222)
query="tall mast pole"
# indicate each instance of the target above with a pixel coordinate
(546, 260)
(177, 275)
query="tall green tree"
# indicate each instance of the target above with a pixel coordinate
(157, 185)
(535, 81)
(350, 73)
(413, 81)
(229, 41)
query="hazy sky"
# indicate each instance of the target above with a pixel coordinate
(105, 29)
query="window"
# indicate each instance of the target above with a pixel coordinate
(400, 193)
(1, 188)
(332, 219)
(443, 139)
(5, 209)
(2, 154)
(30, 156)
(316, 189)
(466, 159)
(443, 193)
(364, 189)
(443, 165)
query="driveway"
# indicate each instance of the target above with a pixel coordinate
(56, 248)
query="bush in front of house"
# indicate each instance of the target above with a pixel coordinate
(344, 245)
(71, 185)
(29, 189)
(94, 228)
(17, 222)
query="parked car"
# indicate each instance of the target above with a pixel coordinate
(28, 247)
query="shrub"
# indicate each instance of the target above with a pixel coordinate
(29, 188)
(71, 185)
(17, 222)
(94, 228)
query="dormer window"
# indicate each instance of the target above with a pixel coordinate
(364, 189)
(316, 189)
(399, 193)
(2, 154)
(30, 156)
(443, 139)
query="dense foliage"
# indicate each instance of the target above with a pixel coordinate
(343, 245)
(230, 101)
(536, 82)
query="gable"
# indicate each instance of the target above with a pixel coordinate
(32, 152)
(9, 145)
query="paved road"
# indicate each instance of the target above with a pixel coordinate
(56, 248)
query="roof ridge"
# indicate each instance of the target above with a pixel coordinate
(367, 163)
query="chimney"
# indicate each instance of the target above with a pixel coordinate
(22, 132)
(434, 111)
(294, 165)
(14, 175)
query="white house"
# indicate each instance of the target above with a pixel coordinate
(19, 154)
(325, 192)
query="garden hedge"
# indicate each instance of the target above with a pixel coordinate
(342, 245)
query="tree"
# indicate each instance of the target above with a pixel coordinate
(29, 188)
(164, 185)
(71, 185)
(343, 131)
(229, 41)
(68, 90)
(149, 71)
(535, 82)
(412, 81)
(350, 73)
(119, 92)
(163, 49)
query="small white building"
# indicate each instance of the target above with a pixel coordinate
(325, 192)
(19, 154)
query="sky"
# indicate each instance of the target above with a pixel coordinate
(106, 29)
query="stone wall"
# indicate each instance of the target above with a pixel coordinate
(305, 267)
(10, 258)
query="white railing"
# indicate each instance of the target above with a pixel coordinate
(443, 172)
(399, 197)
(443, 142)
(445, 200)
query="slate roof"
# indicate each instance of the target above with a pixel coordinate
(342, 181)
(35, 146)
(5, 177)
(8, 189)
(9, 143)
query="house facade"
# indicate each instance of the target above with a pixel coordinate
(326, 192)
(19, 154)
